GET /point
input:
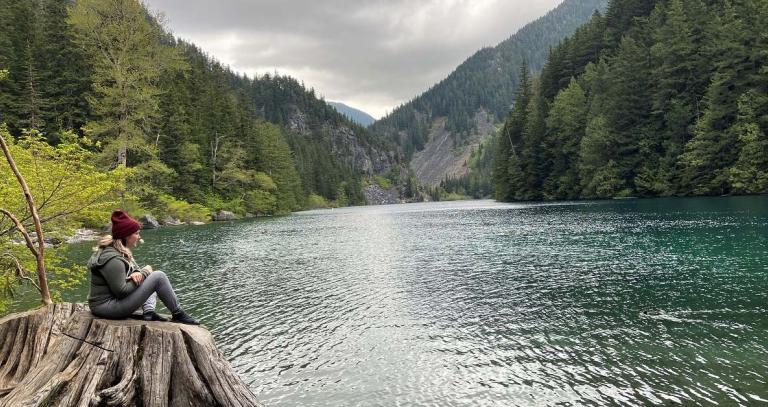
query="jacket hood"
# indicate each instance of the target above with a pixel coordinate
(102, 256)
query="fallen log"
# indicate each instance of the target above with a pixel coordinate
(61, 355)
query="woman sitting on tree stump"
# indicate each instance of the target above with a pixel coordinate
(119, 286)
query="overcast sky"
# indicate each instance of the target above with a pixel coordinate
(370, 54)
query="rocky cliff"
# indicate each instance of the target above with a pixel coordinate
(442, 158)
(353, 146)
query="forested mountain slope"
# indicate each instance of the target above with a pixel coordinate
(451, 118)
(656, 98)
(189, 126)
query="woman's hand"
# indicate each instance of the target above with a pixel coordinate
(137, 278)
(148, 269)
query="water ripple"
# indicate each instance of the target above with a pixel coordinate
(484, 304)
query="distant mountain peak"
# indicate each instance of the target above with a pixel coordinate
(356, 115)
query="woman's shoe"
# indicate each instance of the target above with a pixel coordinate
(184, 318)
(154, 316)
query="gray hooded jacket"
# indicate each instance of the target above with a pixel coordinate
(109, 272)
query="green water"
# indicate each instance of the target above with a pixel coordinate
(480, 303)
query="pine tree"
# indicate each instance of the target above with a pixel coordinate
(599, 174)
(621, 16)
(500, 174)
(627, 108)
(749, 174)
(680, 77)
(128, 61)
(713, 149)
(535, 161)
(64, 72)
(566, 124)
(509, 141)
(31, 98)
(274, 158)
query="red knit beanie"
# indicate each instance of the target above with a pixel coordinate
(123, 225)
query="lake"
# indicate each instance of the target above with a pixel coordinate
(479, 303)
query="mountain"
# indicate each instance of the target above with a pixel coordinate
(656, 98)
(334, 156)
(357, 116)
(190, 127)
(438, 130)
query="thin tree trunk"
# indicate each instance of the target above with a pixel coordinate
(214, 157)
(122, 157)
(40, 252)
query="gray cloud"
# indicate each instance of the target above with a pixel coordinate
(370, 54)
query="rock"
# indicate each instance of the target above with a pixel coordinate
(440, 159)
(52, 241)
(48, 242)
(196, 223)
(376, 195)
(61, 355)
(171, 221)
(652, 312)
(84, 235)
(223, 216)
(149, 222)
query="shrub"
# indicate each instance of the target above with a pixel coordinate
(317, 202)
(382, 181)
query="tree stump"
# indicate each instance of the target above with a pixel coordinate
(61, 355)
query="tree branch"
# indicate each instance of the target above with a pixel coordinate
(21, 273)
(40, 253)
(20, 227)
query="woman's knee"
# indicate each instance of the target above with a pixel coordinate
(156, 279)
(157, 275)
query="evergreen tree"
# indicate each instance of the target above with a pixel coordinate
(128, 60)
(535, 161)
(749, 174)
(600, 175)
(45, 90)
(621, 17)
(509, 139)
(680, 77)
(676, 103)
(713, 149)
(194, 129)
(64, 73)
(274, 159)
(566, 124)
(627, 110)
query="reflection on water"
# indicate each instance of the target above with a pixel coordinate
(479, 303)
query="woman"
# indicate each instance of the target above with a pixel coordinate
(119, 286)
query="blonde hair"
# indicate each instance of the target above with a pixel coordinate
(108, 240)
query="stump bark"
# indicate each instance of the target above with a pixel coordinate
(61, 355)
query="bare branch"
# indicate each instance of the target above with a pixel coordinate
(20, 272)
(70, 212)
(59, 185)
